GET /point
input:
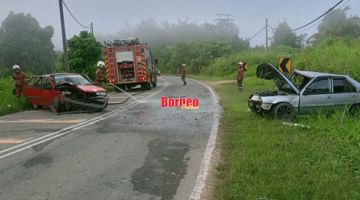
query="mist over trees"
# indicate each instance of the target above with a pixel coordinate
(160, 35)
(284, 36)
(24, 42)
(184, 42)
(338, 24)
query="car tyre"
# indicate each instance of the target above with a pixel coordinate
(56, 106)
(284, 112)
(354, 110)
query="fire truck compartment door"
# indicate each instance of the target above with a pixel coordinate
(124, 56)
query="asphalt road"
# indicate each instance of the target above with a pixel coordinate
(136, 149)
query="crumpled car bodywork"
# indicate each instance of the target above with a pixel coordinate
(65, 92)
(303, 92)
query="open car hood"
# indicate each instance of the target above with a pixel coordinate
(91, 88)
(267, 71)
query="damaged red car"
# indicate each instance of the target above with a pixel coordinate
(65, 92)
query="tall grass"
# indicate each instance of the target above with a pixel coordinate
(8, 102)
(264, 159)
(338, 55)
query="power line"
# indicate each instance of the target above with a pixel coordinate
(330, 14)
(256, 34)
(67, 8)
(309, 23)
(327, 12)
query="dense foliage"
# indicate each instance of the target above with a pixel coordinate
(84, 52)
(24, 42)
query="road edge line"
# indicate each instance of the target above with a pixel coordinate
(205, 163)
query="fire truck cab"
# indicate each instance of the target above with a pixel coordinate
(129, 63)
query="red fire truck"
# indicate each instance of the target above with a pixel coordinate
(129, 63)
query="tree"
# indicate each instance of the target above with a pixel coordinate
(284, 36)
(84, 52)
(161, 35)
(24, 42)
(338, 24)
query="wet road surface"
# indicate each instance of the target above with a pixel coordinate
(134, 150)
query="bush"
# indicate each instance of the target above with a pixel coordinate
(9, 103)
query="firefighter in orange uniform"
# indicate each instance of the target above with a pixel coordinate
(19, 80)
(240, 75)
(99, 73)
(183, 73)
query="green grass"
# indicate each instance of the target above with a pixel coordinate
(264, 159)
(9, 103)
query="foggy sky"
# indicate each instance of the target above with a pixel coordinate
(109, 16)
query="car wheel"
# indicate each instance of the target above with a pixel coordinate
(284, 112)
(55, 107)
(354, 110)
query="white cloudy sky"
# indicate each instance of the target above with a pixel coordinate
(109, 16)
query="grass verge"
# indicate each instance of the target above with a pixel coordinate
(9, 103)
(264, 159)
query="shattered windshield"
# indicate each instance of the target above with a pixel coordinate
(299, 81)
(73, 78)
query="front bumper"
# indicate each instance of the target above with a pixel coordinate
(256, 104)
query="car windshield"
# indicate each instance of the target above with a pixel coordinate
(299, 80)
(72, 78)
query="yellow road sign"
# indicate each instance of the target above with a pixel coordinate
(285, 64)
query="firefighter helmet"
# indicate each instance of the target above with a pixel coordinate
(100, 64)
(16, 67)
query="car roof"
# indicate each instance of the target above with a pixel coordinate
(312, 74)
(56, 74)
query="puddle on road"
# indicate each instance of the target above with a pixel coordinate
(164, 167)
(41, 159)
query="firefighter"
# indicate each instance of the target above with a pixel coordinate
(183, 73)
(19, 80)
(99, 73)
(240, 75)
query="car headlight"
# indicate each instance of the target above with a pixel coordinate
(266, 106)
(256, 98)
(101, 94)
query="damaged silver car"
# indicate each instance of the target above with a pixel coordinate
(304, 92)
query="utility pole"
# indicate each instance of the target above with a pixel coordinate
(266, 35)
(225, 18)
(66, 65)
(91, 28)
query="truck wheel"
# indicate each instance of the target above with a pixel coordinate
(122, 87)
(284, 112)
(155, 82)
(146, 86)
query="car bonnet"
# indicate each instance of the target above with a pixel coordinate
(91, 88)
(268, 72)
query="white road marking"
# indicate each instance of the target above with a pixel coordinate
(45, 121)
(205, 163)
(17, 148)
(118, 97)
